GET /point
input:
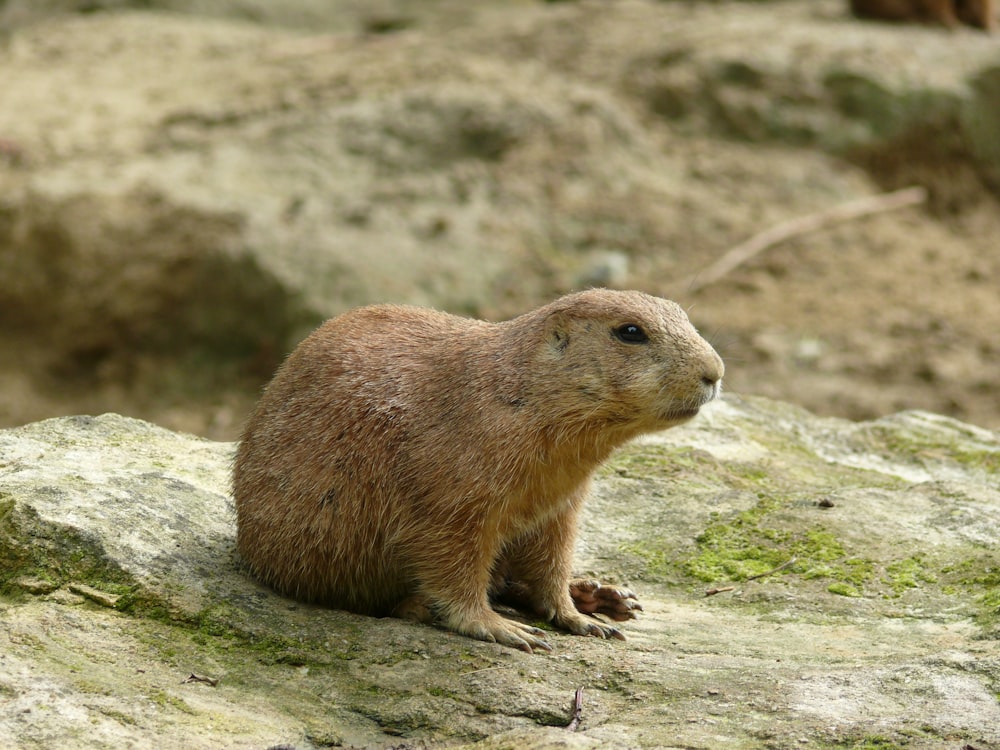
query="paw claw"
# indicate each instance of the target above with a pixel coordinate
(597, 631)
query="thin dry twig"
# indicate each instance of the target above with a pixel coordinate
(772, 571)
(213, 681)
(743, 252)
(713, 592)
(577, 710)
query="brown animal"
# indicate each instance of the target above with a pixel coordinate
(405, 461)
(978, 13)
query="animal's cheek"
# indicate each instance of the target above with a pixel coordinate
(649, 381)
(643, 389)
(592, 387)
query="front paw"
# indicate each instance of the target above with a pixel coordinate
(496, 629)
(578, 624)
(590, 597)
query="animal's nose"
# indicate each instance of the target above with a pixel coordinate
(713, 370)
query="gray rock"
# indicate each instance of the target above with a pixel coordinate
(857, 570)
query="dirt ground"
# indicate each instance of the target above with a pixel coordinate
(874, 317)
(860, 319)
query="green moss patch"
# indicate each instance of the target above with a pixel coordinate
(767, 542)
(908, 573)
(745, 547)
(840, 588)
(646, 461)
(33, 551)
(978, 577)
(924, 446)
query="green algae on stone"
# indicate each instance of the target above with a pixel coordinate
(908, 573)
(744, 547)
(978, 577)
(842, 588)
(930, 439)
(646, 461)
(57, 555)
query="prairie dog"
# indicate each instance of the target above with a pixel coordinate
(405, 460)
(978, 13)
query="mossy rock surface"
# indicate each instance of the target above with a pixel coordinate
(856, 565)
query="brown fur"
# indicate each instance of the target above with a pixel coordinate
(402, 456)
(978, 13)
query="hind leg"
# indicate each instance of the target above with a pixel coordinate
(416, 608)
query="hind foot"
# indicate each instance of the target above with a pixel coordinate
(593, 597)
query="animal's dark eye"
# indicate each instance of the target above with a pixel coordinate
(631, 333)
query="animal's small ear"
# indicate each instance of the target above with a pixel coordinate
(558, 339)
(557, 332)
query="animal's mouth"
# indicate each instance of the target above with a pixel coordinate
(685, 411)
(681, 415)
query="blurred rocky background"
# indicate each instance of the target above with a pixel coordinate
(187, 188)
